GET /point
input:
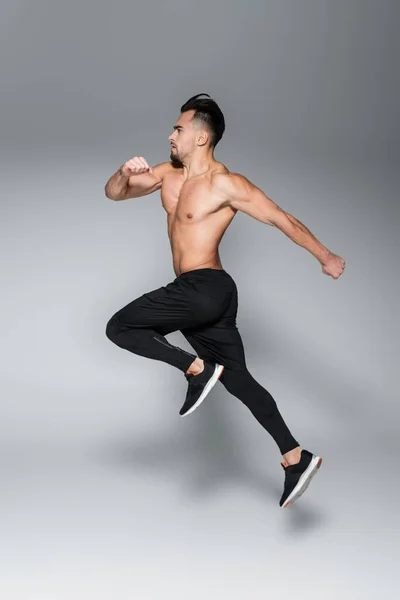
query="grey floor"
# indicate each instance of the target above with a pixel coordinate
(188, 508)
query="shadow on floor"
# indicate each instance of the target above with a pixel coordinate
(205, 455)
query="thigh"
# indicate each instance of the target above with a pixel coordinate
(220, 341)
(168, 308)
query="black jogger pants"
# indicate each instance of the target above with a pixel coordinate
(203, 305)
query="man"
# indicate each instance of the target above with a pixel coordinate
(201, 197)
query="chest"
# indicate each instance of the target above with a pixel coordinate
(188, 201)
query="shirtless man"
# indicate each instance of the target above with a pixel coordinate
(201, 197)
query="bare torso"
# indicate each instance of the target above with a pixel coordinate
(197, 218)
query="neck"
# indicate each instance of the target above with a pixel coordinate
(197, 165)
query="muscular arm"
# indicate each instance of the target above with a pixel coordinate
(241, 194)
(120, 187)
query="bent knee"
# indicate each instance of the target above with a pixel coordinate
(113, 328)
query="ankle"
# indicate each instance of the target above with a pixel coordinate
(293, 456)
(196, 367)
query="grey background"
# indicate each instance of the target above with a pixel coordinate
(106, 492)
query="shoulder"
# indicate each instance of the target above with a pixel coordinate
(231, 183)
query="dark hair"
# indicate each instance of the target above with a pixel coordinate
(207, 111)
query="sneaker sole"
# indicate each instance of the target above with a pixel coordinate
(219, 369)
(304, 481)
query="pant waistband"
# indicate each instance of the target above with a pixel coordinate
(205, 270)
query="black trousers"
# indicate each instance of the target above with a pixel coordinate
(203, 305)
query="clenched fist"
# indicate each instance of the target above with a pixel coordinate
(135, 166)
(333, 266)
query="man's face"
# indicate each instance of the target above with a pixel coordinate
(183, 139)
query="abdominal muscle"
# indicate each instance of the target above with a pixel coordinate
(195, 244)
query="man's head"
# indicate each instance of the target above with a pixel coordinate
(200, 126)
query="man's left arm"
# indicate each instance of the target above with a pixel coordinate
(239, 193)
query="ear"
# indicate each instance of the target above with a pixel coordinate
(203, 138)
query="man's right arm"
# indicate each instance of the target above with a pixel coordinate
(126, 183)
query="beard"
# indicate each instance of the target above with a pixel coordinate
(175, 158)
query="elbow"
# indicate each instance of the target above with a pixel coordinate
(108, 194)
